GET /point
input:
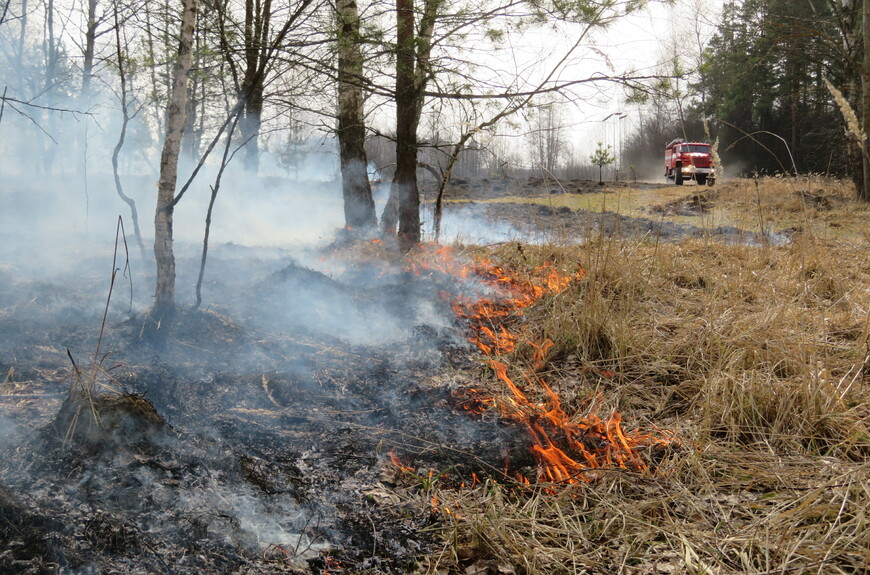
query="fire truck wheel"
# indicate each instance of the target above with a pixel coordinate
(678, 175)
(702, 179)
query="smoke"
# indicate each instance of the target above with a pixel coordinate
(292, 331)
(468, 224)
(256, 522)
(9, 432)
(268, 233)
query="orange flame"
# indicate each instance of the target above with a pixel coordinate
(540, 354)
(332, 565)
(398, 462)
(564, 448)
(472, 400)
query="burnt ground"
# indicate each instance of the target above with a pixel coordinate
(253, 436)
(252, 440)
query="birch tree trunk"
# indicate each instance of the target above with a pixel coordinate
(359, 207)
(164, 295)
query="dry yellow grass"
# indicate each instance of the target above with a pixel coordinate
(809, 204)
(758, 357)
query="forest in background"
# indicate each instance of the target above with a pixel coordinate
(760, 84)
(335, 406)
(71, 82)
(305, 89)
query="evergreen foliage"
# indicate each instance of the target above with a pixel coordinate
(602, 157)
(764, 71)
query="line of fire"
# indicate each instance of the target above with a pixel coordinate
(566, 447)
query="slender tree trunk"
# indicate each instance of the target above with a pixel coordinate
(390, 214)
(250, 128)
(22, 34)
(165, 55)
(864, 193)
(214, 192)
(90, 42)
(412, 74)
(87, 75)
(444, 180)
(189, 145)
(405, 178)
(125, 121)
(51, 62)
(164, 296)
(795, 71)
(359, 207)
(51, 50)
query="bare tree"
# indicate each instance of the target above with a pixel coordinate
(413, 71)
(258, 16)
(359, 207)
(516, 101)
(164, 295)
(251, 62)
(546, 136)
(93, 31)
(52, 61)
(454, 78)
(125, 121)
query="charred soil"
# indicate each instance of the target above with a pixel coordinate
(212, 446)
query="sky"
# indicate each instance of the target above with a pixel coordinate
(639, 42)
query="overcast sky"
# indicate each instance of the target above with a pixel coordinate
(640, 42)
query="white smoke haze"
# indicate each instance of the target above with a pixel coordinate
(290, 306)
(467, 224)
(271, 273)
(305, 342)
(10, 431)
(280, 521)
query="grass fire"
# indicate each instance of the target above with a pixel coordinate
(592, 442)
(681, 386)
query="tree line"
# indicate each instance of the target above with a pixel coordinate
(771, 85)
(436, 80)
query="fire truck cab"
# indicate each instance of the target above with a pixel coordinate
(689, 161)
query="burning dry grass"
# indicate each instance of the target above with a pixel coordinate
(758, 358)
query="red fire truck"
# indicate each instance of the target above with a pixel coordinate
(689, 161)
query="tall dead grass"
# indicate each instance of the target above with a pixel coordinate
(758, 357)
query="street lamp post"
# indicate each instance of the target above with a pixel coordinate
(617, 136)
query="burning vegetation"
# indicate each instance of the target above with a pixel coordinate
(565, 447)
(624, 406)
